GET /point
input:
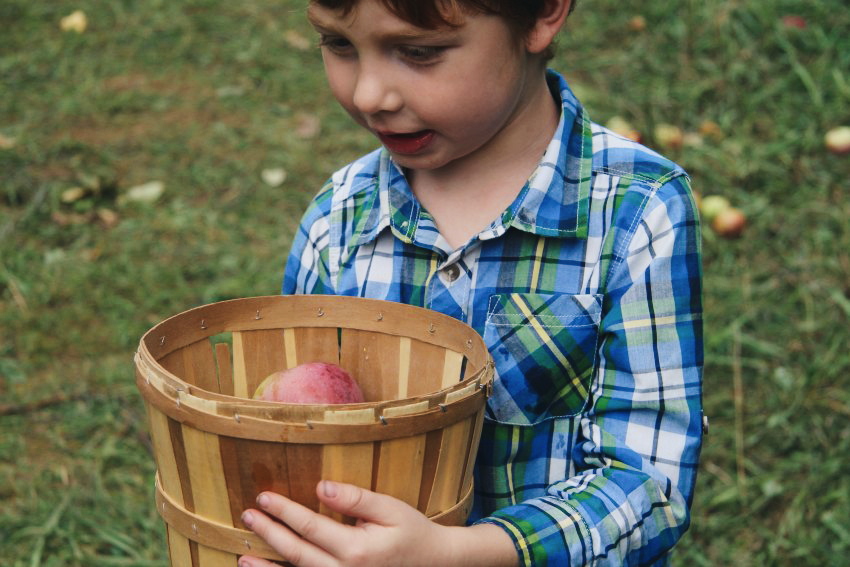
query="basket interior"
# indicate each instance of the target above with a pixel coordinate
(393, 351)
(387, 367)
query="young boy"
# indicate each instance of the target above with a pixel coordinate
(574, 252)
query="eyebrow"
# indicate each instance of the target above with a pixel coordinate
(402, 35)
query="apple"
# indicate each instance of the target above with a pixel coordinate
(623, 127)
(310, 383)
(794, 22)
(711, 129)
(76, 21)
(729, 223)
(713, 205)
(637, 23)
(837, 140)
(669, 136)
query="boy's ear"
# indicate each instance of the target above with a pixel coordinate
(547, 26)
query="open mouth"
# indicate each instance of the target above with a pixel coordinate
(406, 143)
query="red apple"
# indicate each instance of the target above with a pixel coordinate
(637, 23)
(837, 140)
(713, 205)
(794, 22)
(311, 383)
(729, 223)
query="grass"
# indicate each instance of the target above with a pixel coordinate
(204, 95)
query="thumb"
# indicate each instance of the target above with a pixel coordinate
(362, 504)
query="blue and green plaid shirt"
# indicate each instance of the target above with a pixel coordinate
(587, 290)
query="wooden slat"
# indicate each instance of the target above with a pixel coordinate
(225, 368)
(350, 463)
(256, 354)
(427, 362)
(174, 363)
(164, 452)
(199, 366)
(407, 409)
(290, 348)
(209, 557)
(472, 451)
(305, 466)
(452, 366)
(179, 550)
(304, 469)
(240, 369)
(403, 381)
(251, 467)
(175, 431)
(433, 445)
(399, 469)
(449, 467)
(316, 344)
(372, 360)
(349, 416)
(206, 475)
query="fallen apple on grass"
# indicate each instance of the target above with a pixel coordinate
(837, 140)
(712, 205)
(725, 220)
(624, 128)
(729, 223)
(669, 136)
(310, 383)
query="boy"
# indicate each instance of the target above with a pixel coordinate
(574, 252)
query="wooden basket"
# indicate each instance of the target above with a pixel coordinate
(425, 378)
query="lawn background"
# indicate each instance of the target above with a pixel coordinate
(203, 96)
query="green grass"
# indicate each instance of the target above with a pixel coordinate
(203, 95)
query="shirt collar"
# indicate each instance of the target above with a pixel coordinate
(554, 202)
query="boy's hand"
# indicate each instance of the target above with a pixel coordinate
(387, 532)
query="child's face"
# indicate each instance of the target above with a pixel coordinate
(432, 97)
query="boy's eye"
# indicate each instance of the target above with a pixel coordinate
(335, 44)
(421, 54)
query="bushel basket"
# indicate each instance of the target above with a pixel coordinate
(425, 378)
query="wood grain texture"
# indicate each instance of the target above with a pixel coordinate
(425, 378)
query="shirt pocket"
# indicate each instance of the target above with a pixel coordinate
(544, 350)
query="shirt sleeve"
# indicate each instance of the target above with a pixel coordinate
(639, 442)
(307, 265)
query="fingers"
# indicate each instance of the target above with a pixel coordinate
(248, 561)
(285, 539)
(362, 504)
(308, 538)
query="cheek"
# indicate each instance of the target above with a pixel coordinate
(341, 81)
(470, 112)
(337, 82)
(478, 94)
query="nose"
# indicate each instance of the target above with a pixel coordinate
(375, 90)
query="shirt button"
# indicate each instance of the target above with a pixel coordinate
(451, 273)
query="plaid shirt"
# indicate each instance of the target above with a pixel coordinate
(587, 290)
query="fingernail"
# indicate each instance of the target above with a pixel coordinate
(247, 519)
(244, 563)
(263, 500)
(329, 488)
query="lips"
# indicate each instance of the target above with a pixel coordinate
(406, 143)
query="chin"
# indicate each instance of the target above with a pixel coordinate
(419, 162)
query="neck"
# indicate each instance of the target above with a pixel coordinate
(464, 197)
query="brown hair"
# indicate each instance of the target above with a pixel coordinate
(429, 14)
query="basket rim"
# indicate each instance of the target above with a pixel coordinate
(437, 328)
(232, 413)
